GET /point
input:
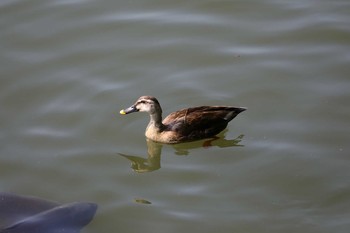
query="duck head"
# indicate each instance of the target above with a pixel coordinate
(144, 104)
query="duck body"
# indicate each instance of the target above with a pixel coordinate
(185, 125)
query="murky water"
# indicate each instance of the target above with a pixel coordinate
(68, 67)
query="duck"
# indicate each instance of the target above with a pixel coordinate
(185, 125)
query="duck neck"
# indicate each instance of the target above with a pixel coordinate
(156, 121)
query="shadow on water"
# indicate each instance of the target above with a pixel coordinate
(154, 150)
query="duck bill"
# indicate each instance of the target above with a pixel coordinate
(129, 110)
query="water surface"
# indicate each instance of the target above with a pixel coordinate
(68, 67)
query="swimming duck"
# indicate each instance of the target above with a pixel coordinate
(185, 125)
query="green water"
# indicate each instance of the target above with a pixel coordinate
(68, 67)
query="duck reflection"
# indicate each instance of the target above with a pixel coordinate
(151, 163)
(154, 150)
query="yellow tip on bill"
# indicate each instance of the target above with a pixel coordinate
(122, 112)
